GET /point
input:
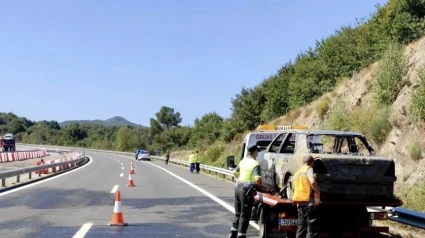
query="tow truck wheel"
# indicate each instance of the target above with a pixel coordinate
(289, 190)
(263, 221)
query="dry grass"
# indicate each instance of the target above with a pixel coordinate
(323, 107)
(414, 149)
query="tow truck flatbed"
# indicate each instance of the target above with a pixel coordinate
(278, 217)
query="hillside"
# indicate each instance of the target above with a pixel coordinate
(114, 121)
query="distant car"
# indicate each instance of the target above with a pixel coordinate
(143, 155)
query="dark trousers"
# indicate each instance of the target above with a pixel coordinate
(167, 157)
(307, 222)
(243, 208)
(197, 167)
(192, 167)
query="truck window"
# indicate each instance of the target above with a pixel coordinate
(288, 146)
(275, 145)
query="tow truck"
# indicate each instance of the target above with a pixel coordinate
(277, 215)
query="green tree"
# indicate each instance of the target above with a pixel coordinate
(207, 129)
(388, 78)
(309, 79)
(276, 93)
(155, 128)
(168, 118)
(247, 108)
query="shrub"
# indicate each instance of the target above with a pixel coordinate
(339, 117)
(214, 153)
(417, 105)
(394, 121)
(413, 196)
(414, 149)
(389, 76)
(373, 122)
(323, 107)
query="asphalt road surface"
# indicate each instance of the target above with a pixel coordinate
(166, 202)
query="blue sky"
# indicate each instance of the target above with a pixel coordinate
(75, 59)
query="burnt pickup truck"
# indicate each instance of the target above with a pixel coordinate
(346, 166)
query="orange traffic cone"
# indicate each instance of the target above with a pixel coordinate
(132, 169)
(130, 181)
(117, 217)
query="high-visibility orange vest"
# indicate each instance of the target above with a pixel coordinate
(302, 187)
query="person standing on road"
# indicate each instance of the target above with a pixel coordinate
(307, 197)
(197, 161)
(192, 162)
(249, 181)
(167, 156)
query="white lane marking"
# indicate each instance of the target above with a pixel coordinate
(216, 199)
(122, 167)
(121, 174)
(114, 189)
(119, 161)
(83, 230)
(122, 164)
(46, 180)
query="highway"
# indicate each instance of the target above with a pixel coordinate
(166, 202)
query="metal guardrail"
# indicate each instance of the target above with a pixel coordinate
(18, 172)
(408, 217)
(400, 215)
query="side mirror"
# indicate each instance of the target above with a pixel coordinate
(231, 162)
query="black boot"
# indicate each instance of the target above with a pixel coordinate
(233, 234)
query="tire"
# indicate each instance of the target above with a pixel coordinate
(264, 221)
(289, 191)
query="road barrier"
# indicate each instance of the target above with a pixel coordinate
(59, 167)
(21, 155)
(400, 215)
(408, 217)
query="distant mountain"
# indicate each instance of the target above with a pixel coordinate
(114, 121)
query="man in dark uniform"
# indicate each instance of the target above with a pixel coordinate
(167, 157)
(249, 181)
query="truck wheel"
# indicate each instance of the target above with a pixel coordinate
(289, 189)
(263, 221)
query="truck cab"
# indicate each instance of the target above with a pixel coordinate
(262, 137)
(8, 142)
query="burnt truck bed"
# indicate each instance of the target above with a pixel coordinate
(277, 217)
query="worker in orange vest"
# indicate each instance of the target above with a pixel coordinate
(307, 197)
